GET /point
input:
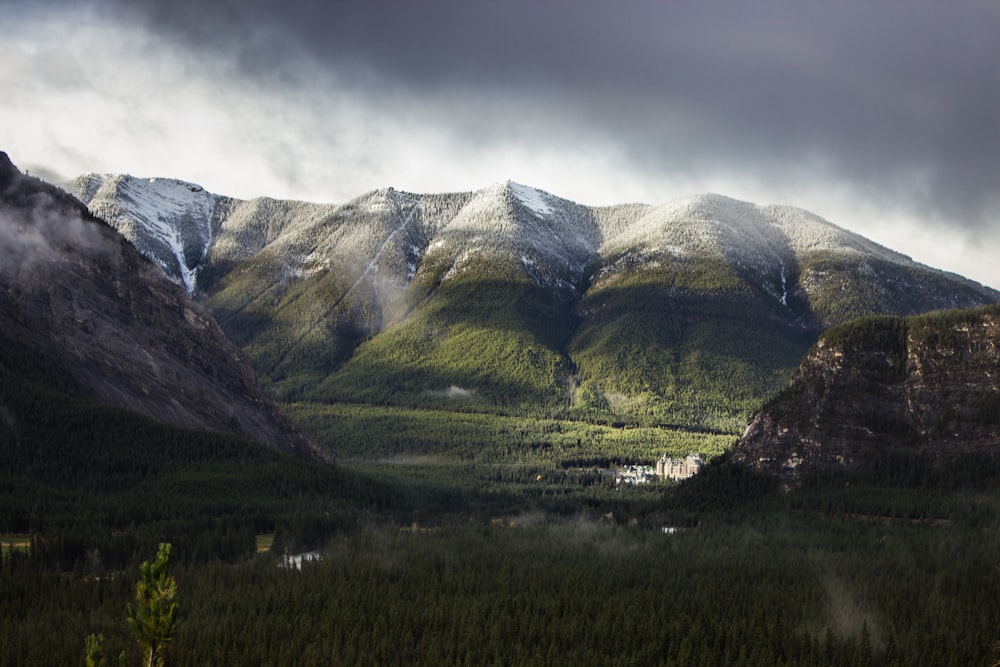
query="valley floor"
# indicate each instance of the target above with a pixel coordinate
(472, 539)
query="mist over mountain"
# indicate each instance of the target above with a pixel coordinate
(77, 296)
(509, 298)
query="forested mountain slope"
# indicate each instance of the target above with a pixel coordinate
(511, 299)
(77, 295)
(925, 386)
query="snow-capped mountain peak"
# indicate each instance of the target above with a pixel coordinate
(168, 220)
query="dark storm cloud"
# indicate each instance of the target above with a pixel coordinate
(900, 101)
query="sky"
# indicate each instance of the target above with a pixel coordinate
(881, 116)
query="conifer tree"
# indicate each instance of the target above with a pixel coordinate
(94, 647)
(153, 619)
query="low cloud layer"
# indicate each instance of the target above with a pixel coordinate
(453, 392)
(41, 239)
(881, 117)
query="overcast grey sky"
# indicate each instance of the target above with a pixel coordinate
(883, 117)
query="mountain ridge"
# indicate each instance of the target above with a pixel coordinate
(611, 313)
(98, 191)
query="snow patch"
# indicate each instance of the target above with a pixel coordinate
(173, 214)
(373, 264)
(532, 198)
(784, 284)
(460, 262)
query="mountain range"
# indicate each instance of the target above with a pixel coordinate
(512, 300)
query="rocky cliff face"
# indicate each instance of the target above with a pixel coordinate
(928, 384)
(76, 292)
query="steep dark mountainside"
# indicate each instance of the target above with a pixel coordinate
(926, 385)
(75, 293)
(511, 299)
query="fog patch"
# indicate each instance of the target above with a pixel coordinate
(453, 392)
(36, 240)
(848, 617)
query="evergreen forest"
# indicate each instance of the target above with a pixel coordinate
(471, 539)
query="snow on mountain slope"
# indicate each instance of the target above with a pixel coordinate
(532, 198)
(552, 239)
(379, 239)
(565, 232)
(387, 236)
(711, 223)
(245, 227)
(168, 220)
(763, 245)
(732, 233)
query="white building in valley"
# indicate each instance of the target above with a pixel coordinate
(668, 468)
(633, 474)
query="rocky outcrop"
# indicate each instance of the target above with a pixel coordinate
(928, 384)
(74, 291)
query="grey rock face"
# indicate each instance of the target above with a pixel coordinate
(74, 290)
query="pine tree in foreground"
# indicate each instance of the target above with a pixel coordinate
(153, 619)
